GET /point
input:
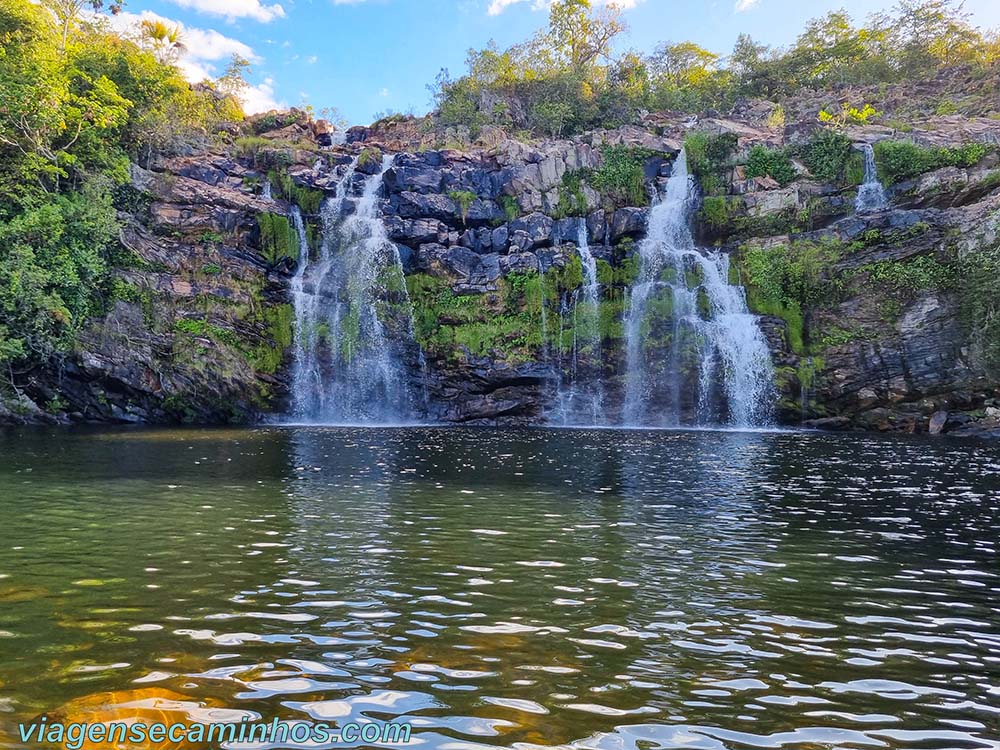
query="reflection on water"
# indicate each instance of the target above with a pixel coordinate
(611, 589)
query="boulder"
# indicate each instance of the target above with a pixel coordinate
(628, 222)
(938, 422)
(535, 229)
(323, 132)
(475, 272)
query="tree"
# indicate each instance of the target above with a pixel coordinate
(682, 64)
(581, 35)
(67, 12)
(233, 81)
(922, 35)
(164, 39)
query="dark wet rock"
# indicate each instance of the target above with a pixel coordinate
(938, 422)
(533, 230)
(628, 222)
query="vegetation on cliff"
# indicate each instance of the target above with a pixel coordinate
(79, 102)
(568, 79)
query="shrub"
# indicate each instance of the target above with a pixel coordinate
(622, 176)
(510, 207)
(572, 201)
(463, 199)
(278, 238)
(980, 303)
(790, 280)
(902, 160)
(828, 154)
(715, 212)
(769, 162)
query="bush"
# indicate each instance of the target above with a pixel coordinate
(788, 281)
(709, 159)
(464, 200)
(827, 155)
(572, 201)
(55, 263)
(715, 212)
(768, 162)
(622, 177)
(980, 303)
(278, 238)
(901, 160)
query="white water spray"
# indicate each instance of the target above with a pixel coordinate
(581, 402)
(871, 194)
(694, 352)
(353, 318)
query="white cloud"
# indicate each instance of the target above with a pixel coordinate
(383, 92)
(203, 47)
(312, 59)
(233, 9)
(199, 44)
(743, 5)
(497, 7)
(260, 98)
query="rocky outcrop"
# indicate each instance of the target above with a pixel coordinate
(202, 328)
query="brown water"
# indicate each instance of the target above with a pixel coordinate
(606, 589)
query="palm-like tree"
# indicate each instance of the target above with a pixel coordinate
(164, 39)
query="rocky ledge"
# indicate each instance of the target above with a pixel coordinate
(880, 321)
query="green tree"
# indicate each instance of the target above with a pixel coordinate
(581, 35)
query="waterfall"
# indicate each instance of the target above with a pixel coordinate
(695, 354)
(581, 402)
(871, 194)
(353, 318)
(265, 191)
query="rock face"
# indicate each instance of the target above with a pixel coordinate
(200, 331)
(487, 239)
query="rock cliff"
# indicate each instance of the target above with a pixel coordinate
(885, 320)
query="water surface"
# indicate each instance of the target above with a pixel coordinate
(605, 589)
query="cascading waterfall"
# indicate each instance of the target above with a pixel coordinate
(695, 355)
(871, 194)
(265, 191)
(581, 401)
(354, 325)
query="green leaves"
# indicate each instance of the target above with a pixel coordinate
(54, 272)
(770, 162)
(901, 160)
(622, 175)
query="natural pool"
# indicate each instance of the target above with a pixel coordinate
(610, 589)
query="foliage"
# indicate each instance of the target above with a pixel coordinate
(567, 78)
(55, 262)
(621, 177)
(901, 160)
(464, 200)
(789, 280)
(770, 162)
(827, 155)
(78, 102)
(980, 303)
(278, 239)
(907, 277)
(450, 325)
(715, 212)
(572, 200)
(848, 115)
(709, 158)
(306, 198)
(510, 207)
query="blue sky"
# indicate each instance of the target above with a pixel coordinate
(370, 56)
